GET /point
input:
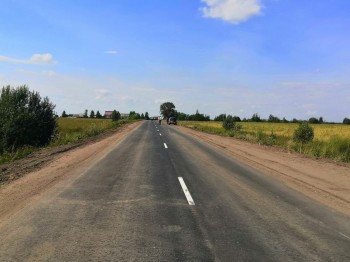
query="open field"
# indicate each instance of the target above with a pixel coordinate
(331, 140)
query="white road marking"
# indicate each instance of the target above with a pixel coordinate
(187, 193)
(160, 134)
(165, 145)
(344, 235)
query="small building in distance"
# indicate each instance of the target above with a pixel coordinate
(108, 114)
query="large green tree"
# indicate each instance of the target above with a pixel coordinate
(98, 114)
(26, 119)
(167, 109)
(146, 116)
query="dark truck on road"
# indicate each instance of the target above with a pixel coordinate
(172, 120)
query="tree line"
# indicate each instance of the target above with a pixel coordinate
(274, 119)
(167, 109)
(115, 116)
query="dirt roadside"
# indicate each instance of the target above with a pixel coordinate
(29, 178)
(325, 181)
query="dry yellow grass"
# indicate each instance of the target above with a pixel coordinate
(330, 140)
(323, 132)
(71, 130)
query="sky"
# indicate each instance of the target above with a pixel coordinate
(282, 57)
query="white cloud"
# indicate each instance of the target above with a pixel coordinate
(48, 73)
(125, 99)
(36, 59)
(102, 93)
(233, 11)
(111, 52)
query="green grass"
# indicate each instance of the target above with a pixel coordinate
(331, 141)
(70, 130)
(12, 156)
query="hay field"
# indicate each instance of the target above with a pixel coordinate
(330, 140)
(71, 130)
(323, 132)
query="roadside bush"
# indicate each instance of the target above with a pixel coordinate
(26, 119)
(303, 134)
(229, 124)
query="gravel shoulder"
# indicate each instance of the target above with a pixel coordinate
(325, 181)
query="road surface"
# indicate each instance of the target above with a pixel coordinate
(162, 195)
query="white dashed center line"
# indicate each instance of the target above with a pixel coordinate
(344, 235)
(187, 193)
(165, 145)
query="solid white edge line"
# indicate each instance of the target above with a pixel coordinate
(187, 193)
(165, 145)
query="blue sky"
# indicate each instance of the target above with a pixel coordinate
(282, 57)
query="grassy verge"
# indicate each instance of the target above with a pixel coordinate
(331, 141)
(70, 130)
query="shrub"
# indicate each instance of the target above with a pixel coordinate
(229, 124)
(303, 134)
(25, 119)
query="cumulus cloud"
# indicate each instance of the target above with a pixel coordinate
(36, 59)
(233, 11)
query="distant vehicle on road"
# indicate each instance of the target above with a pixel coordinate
(172, 120)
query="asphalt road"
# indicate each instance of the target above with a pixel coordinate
(131, 206)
